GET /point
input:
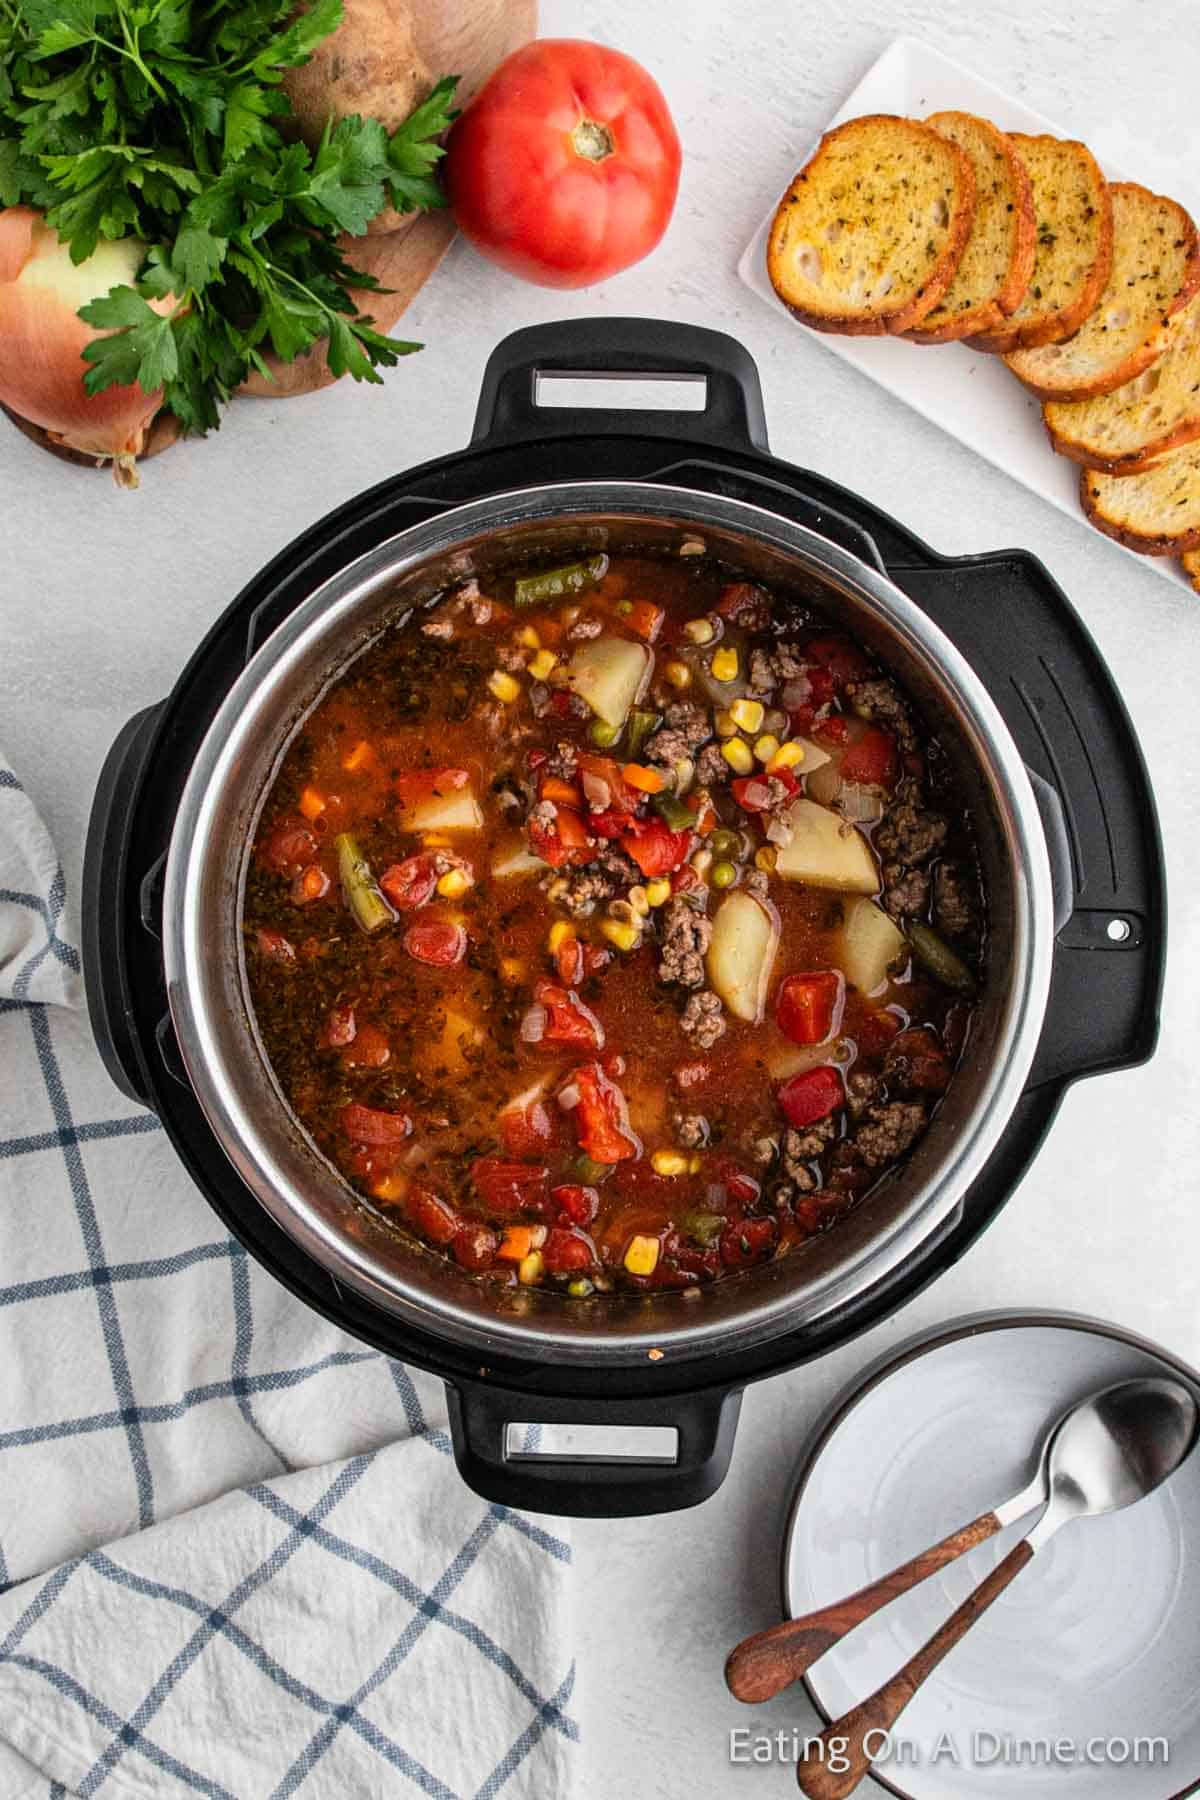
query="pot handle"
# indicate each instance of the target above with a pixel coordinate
(484, 1419)
(102, 930)
(615, 350)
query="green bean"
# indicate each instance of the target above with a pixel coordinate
(940, 960)
(362, 892)
(604, 736)
(556, 584)
(674, 814)
(591, 1173)
(706, 1228)
(639, 726)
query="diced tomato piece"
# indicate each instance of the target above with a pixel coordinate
(840, 655)
(610, 824)
(367, 1049)
(562, 704)
(274, 946)
(748, 1241)
(685, 880)
(753, 794)
(739, 597)
(564, 842)
(817, 1211)
(645, 618)
(309, 885)
(475, 1246)
(602, 1118)
(579, 1204)
(872, 760)
(568, 1020)
(917, 1062)
(340, 1027)
(657, 850)
(809, 1007)
(288, 847)
(410, 884)
(622, 797)
(423, 784)
(811, 1095)
(566, 1249)
(436, 941)
(506, 1188)
(743, 1189)
(370, 1125)
(568, 961)
(526, 1130)
(429, 1214)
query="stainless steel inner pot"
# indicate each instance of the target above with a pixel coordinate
(215, 825)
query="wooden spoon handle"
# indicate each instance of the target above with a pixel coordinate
(848, 1743)
(766, 1663)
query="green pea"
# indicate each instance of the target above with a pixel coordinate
(580, 1288)
(726, 843)
(602, 734)
(723, 874)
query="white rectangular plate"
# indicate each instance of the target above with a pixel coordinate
(971, 396)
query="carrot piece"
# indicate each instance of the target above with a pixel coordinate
(361, 757)
(312, 803)
(516, 1243)
(563, 793)
(647, 781)
(645, 618)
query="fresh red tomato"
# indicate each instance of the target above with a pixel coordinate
(811, 1095)
(409, 884)
(602, 1117)
(809, 1007)
(436, 941)
(510, 1187)
(657, 850)
(565, 168)
(370, 1125)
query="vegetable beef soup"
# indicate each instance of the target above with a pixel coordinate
(613, 925)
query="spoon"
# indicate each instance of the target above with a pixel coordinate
(1107, 1453)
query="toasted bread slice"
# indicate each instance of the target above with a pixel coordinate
(1155, 272)
(1157, 512)
(996, 264)
(1074, 245)
(1126, 431)
(1191, 568)
(868, 236)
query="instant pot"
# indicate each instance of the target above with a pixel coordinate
(1044, 757)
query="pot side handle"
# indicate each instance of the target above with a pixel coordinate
(609, 351)
(483, 1419)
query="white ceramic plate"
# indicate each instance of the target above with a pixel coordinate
(971, 396)
(1098, 1639)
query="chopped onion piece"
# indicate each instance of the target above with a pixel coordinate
(568, 1097)
(533, 1025)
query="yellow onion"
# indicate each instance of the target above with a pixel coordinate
(42, 339)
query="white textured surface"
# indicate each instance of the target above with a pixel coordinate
(102, 597)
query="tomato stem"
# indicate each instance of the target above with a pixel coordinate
(592, 140)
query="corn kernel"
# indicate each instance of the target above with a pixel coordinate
(747, 714)
(736, 752)
(512, 970)
(453, 884)
(669, 1162)
(625, 936)
(580, 1288)
(541, 664)
(641, 1258)
(503, 686)
(695, 1164)
(725, 723)
(529, 638)
(312, 803)
(787, 756)
(766, 747)
(725, 664)
(390, 1187)
(434, 840)
(700, 631)
(766, 858)
(560, 931)
(639, 900)
(658, 892)
(678, 674)
(529, 1269)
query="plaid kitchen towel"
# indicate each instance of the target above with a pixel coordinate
(236, 1558)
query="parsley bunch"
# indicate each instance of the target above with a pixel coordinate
(165, 120)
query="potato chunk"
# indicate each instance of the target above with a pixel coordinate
(868, 943)
(609, 673)
(741, 955)
(826, 852)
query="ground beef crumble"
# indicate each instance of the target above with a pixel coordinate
(685, 726)
(686, 936)
(711, 767)
(953, 913)
(905, 891)
(585, 628)
(691, 1130)
(799, 1148)
(889, 1130)
(703, 1019)
(880, 701)
(908, 833)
